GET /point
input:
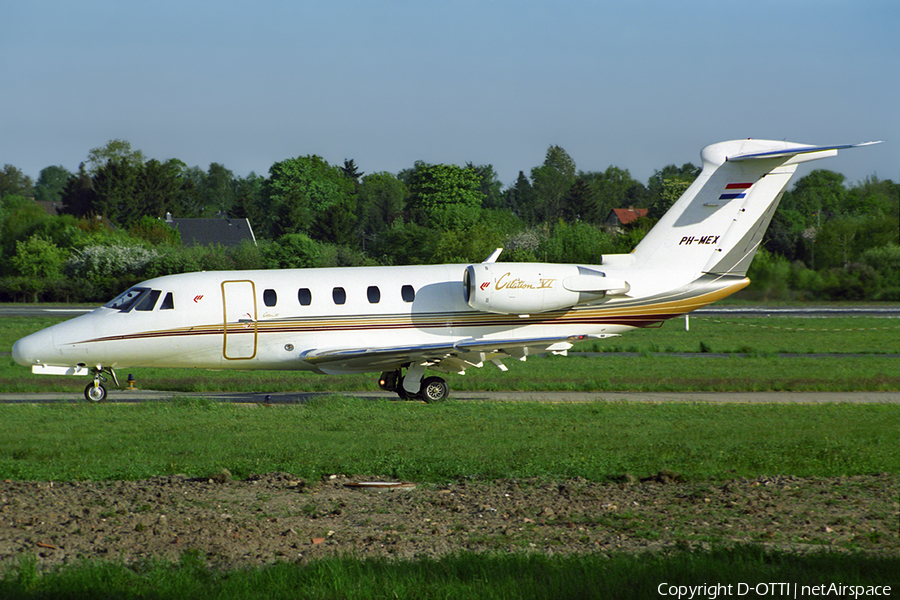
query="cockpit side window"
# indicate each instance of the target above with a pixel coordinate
(147, 301)
(168, 302)
(127, 300)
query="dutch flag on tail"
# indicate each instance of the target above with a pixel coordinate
(737, 190)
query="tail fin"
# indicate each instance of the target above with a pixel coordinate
(716, 226)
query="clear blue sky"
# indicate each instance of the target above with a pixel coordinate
(635, 84)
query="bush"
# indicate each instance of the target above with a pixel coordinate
(885, 261)
(102, 263)
(292, 251)
(190, 260)
(524, 245)
(38, 257)
(853, 282)
(770, 276)
(155, 231)
(577, 242)
(808, 283)
(247, 256)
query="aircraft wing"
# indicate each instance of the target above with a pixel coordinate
(450, 357)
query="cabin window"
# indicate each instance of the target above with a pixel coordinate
(168, 302)
(126, 300)
(408, 293)
(270, 298)
(304, 296)
(147, 301)
(339, 295)
(373, 294)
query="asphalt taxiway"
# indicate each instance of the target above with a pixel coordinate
(120, 396)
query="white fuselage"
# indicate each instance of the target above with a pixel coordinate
(273, 319)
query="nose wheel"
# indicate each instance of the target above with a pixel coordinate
(95, 391)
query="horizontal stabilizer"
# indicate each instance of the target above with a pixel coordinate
(795, 151)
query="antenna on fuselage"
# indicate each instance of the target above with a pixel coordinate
(494, 256)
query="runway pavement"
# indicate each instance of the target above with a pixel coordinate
(118, 396)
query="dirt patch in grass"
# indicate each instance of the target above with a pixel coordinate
(276, 517)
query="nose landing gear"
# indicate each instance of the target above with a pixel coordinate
(95, 391)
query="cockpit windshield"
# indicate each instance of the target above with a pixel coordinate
(126, 300)
(142, 299)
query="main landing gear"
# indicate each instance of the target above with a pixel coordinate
(95, 391)
(430, 389)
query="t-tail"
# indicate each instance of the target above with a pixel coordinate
(716, 226)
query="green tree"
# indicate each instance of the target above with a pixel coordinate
(522, 200)
(50, 184)
(158, 189)
(581, 243)
(190, 201)
(840, 241)
(785, 234)
(579, 203)
(885, 262)
(21, 219)
(336, 224)
(248, 198)
(351, 171)
(666, 186)
(615, 188)
(491, 187)
(114, 151)
(116, 189)
(876, 198)
(405, 244)
(217, 193)
(78, 196)
(670, 191)
(155, 231)
(817, 197)
(381, 201)
(445, 196)
(38, 257)
(551, 182)
(14, 182)
(301, 189)
(292, 251)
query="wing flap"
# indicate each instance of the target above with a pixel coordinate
(453, 357)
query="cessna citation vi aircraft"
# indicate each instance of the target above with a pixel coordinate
(404, 321)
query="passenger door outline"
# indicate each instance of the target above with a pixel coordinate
(240, 331)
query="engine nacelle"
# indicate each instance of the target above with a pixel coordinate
(525, 288)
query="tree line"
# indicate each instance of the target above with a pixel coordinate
(828, 240)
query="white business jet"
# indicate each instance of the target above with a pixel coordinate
(404, 321)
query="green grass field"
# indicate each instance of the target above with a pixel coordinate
(444, 442)
(475, 576)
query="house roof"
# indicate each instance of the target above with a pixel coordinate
(201, 232)
(627, 215)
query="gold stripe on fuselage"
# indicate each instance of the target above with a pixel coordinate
(628, 312)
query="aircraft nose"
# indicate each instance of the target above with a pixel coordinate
(33, 349)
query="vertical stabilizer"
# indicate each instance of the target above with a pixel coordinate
(718, 223)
